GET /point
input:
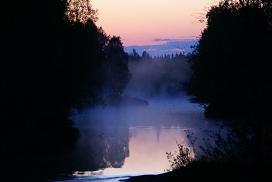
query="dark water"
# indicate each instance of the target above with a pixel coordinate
(118, 142)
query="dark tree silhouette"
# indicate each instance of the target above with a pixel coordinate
(80, 10)
(116, 67)
(146, 56)
(231, 64)
(49, 65)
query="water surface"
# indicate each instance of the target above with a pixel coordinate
(119, 142)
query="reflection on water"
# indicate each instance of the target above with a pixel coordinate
(147, 148)
(128, 141)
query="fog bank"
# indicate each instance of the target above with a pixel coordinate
(157, 78)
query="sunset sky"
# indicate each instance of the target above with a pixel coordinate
(141, 22)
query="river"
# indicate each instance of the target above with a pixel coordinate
(119, 142)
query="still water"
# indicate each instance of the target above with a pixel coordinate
(124, 141)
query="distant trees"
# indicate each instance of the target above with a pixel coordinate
(162, 75)
(146, 56)
(135, 56)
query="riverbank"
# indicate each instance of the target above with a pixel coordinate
(205, 171)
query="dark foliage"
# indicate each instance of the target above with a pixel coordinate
(48, 66)
(116, 71)
(220, 158)
(232, 60)
(231, 66)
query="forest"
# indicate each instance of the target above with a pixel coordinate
(230, 68)
(56, 58)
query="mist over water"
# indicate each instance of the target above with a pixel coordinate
(157, 78)
(132, 137)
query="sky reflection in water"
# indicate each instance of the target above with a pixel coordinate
(129, 141)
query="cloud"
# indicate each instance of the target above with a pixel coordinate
(165, 40)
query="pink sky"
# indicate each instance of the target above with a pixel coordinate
(139, 22)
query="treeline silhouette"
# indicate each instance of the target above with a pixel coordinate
(157, 76)
(135, 56)
(51, 64)
(231, 67)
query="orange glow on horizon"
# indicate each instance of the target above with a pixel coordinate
(139, 22)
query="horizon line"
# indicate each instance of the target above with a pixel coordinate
(162, 42)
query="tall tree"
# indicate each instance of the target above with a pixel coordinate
(80, 10)
(116, 67)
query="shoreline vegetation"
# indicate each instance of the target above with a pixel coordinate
(208, 172)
